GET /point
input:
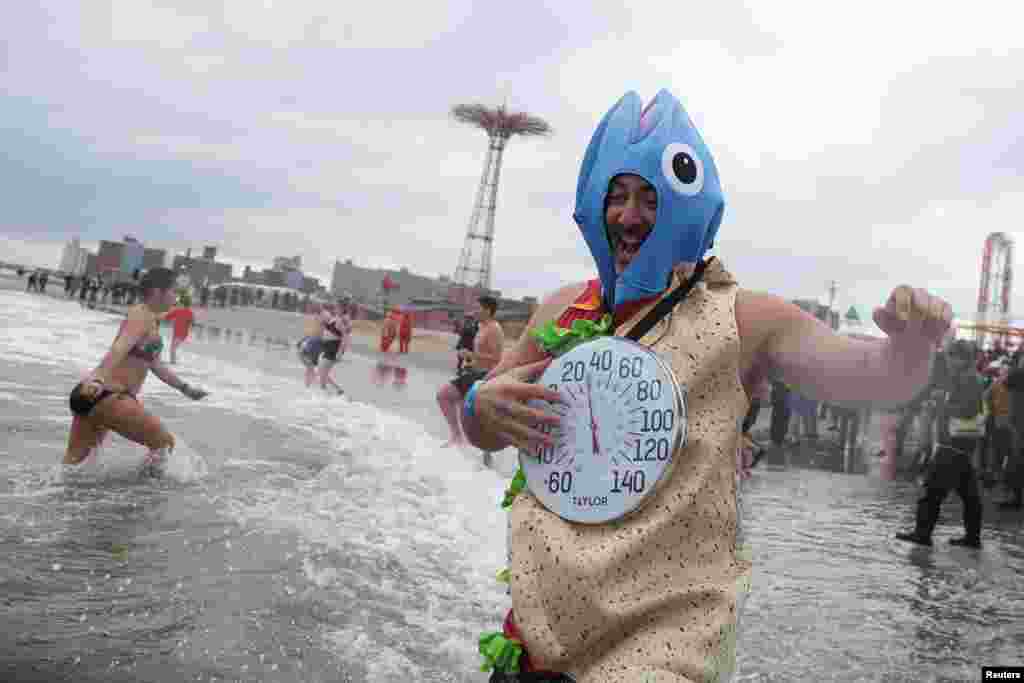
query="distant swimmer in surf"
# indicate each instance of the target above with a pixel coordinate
(311, 344)
(182, 318)
(107, 399)
(336, 328)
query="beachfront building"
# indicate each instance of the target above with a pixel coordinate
(205, 271)
(132, 253)
(283, 274)
(435, 303)
(74, 258)
(118, 262)
(108, 260)
(385, 287)
(154, 258)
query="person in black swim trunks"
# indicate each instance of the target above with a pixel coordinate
(488, 345)
(107, 399)
(309, 347)
(336, 328)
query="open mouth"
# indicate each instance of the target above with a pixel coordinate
(627, 244)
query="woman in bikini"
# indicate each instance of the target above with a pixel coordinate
(106, 399)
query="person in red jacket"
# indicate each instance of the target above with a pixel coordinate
(388, 331)
(182, 319)
(405, 333)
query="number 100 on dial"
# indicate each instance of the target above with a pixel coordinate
(623, 419)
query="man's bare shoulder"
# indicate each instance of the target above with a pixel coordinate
(525, 350)
(563, 296)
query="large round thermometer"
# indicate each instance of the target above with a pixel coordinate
(623, 420)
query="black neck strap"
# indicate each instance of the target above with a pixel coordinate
(663, 307)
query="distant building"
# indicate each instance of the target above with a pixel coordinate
(310, 285)
(74, 258)
(252, 277)
(108, 260)
(154, 258)
(202, 271)
(287, 263)
(118, 261)
(367, 285)
(273, 278)
(293, 279)
(434, 302)
(132, 253)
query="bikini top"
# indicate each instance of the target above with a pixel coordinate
(147, 348)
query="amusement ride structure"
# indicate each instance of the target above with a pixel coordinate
(993, 315)
(474, 270)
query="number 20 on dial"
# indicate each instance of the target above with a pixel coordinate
(623, 419)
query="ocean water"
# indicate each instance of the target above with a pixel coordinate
(306, 537)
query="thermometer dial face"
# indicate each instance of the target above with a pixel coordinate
(623, 420)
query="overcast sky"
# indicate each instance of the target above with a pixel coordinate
(873, 143)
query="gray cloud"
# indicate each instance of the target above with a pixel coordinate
(873, 147)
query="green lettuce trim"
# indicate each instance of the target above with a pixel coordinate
(515, 487)
(556, 340)
(500, 654)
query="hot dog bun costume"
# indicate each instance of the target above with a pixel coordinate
(653, 596)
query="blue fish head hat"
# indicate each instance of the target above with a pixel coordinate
(661, 145)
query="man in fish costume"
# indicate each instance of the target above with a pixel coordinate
(655, 596)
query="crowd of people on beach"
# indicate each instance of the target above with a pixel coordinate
(37, 280)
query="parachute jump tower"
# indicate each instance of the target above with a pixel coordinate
(473, 273)
(996, 282)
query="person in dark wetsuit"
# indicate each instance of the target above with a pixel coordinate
(488, 345)
(309, 346)
(1014, 472)
(467, 335)
(961, 420)
(106, 400)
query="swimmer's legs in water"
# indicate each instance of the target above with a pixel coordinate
(450, 401)
(85, 437)
(308, 363)
(325, 376)
(175, 343)
(153, 463)
(121, 414)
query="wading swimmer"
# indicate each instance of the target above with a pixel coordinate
(106, 400)
(310, 344)
(336, 328)
(654, 593)
(475, 363)
(345, 313)
(181, 318)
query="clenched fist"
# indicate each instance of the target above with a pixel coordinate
(914, 317)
